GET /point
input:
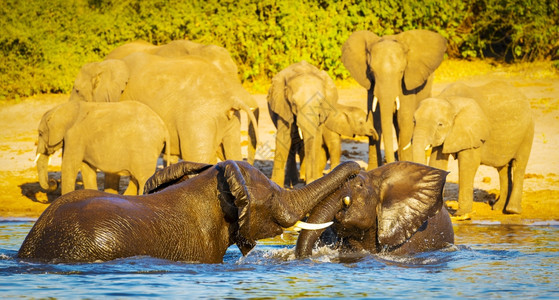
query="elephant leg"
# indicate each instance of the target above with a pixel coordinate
(504, 179)
(112, 183)
(69, 169)
(468, 163)
(283, 145)
(133, 187)
(252, 140)
(519, 164)
(89, 177)
(333, 143)
(292, 174)
(232, 139)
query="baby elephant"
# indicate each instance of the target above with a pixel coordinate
(121, 137)
(490, 125)
(348, 121)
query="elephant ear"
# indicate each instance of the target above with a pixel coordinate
(243, 198)
(110, 80)
(409, 194)
(173, 174)
(425, 53)
(354, 55)
(277, 99)
(471, 126)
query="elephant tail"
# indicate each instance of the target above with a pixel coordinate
(167, 155)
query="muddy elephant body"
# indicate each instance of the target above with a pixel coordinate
(397, 208)
(397, 72)
(180, 218)
(490, 125)
(117, 138)
(299, 100)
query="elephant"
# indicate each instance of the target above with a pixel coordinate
(348, 121)
(216, 55)
(300, 99)
(396, 208)
(117, 138)
(191, 96)
(397, 71)
(178, 218)
(491, 125)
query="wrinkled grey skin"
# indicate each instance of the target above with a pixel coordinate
(490, 125)
(393, 67)
(397, 208)
(218, 56)
(122, 137)
(180, 218)
(191, 96)
(300, 100)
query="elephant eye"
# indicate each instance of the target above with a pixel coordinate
(440, 124)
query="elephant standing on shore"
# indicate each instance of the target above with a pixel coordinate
(397, 72)
(490, 125)
(216, 55)
(188, 93)
(180, 218)
(397, 208)
(300, 100)
(348, 121)
(117, 138)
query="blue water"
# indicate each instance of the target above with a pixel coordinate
(488, 261)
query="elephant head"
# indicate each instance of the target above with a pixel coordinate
(448, 125)
(102, 81)
(394, 68)
(351, 121)
(52, 128)
(304, 96)
(382, 210)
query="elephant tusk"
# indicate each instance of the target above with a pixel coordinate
(397, 103)
(300, 133)
(50, 158)
(406, 147)
(428, 147)
(37, 158)
(310, 226)
(375, 102)
(347, 200)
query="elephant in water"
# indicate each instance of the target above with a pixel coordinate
(397, 72)
(180, 218)
(490, 125)
(397, 208)
(299, 100)
(122, 137)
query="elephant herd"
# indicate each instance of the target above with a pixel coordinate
(185, 99)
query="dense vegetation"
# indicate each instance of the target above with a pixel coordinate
(44, 43)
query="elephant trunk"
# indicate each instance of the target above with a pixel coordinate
(299, 202)
(389, 104)
(42, 169)
(324, 212)
(421, 144)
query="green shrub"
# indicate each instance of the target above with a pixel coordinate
(43, 44)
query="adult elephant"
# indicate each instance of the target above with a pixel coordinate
(194, 219)
(197, 105)
(117, 138)
(397, 72)
(397, 208)
(216, 55)
(299, 100)
(490, 125)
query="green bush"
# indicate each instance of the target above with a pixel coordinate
(43, 44)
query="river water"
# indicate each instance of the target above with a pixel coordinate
(488, 260)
